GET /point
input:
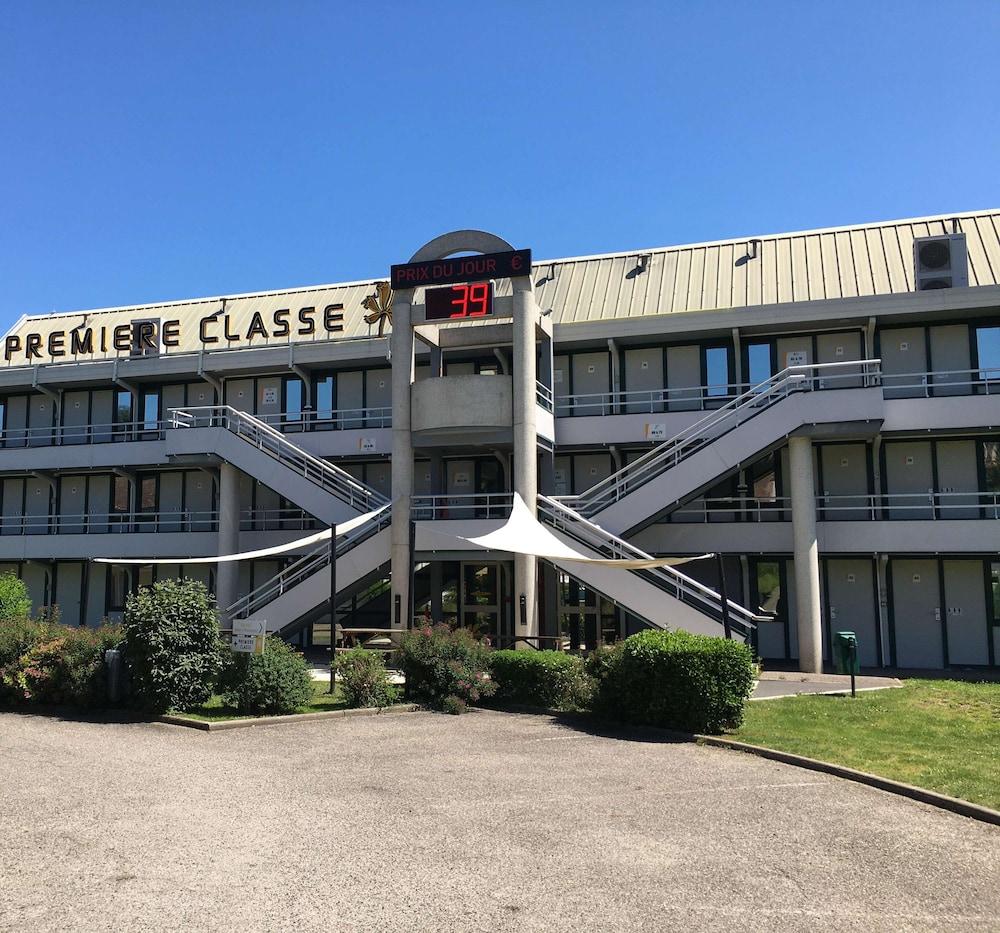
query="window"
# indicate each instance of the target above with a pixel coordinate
(150, 410)
(995, 591)
(123, 406)
(988, 353)
(717, 371)
(758, 363)
(324, 400)
(769, 598)
(991, 466)
(119, 585)
(120, 495)
(294, 400)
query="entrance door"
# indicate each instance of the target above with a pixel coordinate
(481, 598)
(916, 613)
(965, 612)
(851, 604)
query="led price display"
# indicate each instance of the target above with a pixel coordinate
(458, 302)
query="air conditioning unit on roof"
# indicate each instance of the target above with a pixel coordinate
(940, 262)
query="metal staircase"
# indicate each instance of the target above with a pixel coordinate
(304, 586)
(831, 393)
(265, 453)
(663, 596)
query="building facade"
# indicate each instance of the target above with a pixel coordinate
(820, 408)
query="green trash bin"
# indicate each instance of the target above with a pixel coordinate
(845, 653)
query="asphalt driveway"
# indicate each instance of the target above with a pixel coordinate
(483, 822)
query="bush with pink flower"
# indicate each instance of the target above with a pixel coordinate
(445, 669)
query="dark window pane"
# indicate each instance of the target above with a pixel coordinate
(120, 496)
(769, 587)
(991, 465)
(988, 345)
(123, 407)
(717, 371)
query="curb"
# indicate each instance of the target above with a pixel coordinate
(942, 801)
(251, 722)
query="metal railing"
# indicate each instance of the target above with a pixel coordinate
(941, 383)
(668, 579)
(290, 519)
(69, 434)
(647, 401)
(340, 419)
(272, 442)
(741, 409)
(316, 559)
(465, 505)
(543, 396)
(859, 507)
(110, 523)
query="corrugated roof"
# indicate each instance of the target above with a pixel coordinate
(869, 259)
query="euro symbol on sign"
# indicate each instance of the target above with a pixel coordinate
(515, 263)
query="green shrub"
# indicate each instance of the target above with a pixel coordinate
(363, 679)
(443, 666)
(676, 680)
(17, 637)
(172, 645)
(15, 603)
(552, 679)
(67, 666)
(276, 681)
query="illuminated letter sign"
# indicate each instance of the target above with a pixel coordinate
(507, 265)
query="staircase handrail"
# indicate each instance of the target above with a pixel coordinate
(668, 579)
(312, 561)
(682, 445)
(276, 444)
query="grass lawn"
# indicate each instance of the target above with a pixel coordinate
(940, 734)
(215, 710)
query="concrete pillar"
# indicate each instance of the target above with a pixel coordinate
(401, 344)
(806, 554)
(227, 573)
(525, 448)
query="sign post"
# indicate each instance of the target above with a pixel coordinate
(333, 608)
(248, 636)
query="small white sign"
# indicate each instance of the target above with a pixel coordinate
(796, 358)
(591, 368)
(366, 444)
(557, 377)
(249, 626)
(903, 346)
(656, 432)
(644, 364)
(248, 644)
(850, 578)
(269, 395)
(461, 479)
(839, 351)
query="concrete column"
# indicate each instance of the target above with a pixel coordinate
(401, 343)
(227, 573)
(806, 554)
(525, 448)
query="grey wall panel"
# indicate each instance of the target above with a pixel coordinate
(839, 348)
(98, 500)
(795, 344)
(350, 398)
(909, 478)
(950, 359)
(957, 471)
(171, 505)
(460, 368)
(72, 504)
(199, 499)
(36, 578)
(37, 499)
(589, 469)
(171, 397)
(379, 476)
(199, 394)
(850, 602)
(644, 374)
(40, 419)
(965, 612)
(378, 388)
(560, 382)
(13, 492)
(903, 352)
(591, 374)
(916, 608)
(69, 592)
(239, 394)
(96, 583)
(16, 419)
(684, 378)
(269, 401)
(102, 414)
(563, 474)
(845, 481)
(75, 417)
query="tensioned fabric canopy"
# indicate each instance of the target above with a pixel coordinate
(522, 533)
(323, 535)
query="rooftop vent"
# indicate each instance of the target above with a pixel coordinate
(940, 262)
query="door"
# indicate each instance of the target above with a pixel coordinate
(481, 598)
(69, 592)
(965, 612)
(909, 478)
(850, 604)
(950, 360)
(41, 411)
(75, 417)
(845, 482)
(904, 362)
(644, 380)
(72, 504)
(684, 378)
(916, 614)
(958, 479)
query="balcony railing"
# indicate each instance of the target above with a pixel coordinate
(543, 396)
(646, 401)
(278, 520)
(862, 507)
(115, 433)
(464, 506)
(341, 419)
(178, 521)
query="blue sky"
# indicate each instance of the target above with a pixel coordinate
(162, 151)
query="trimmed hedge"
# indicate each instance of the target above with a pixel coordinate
(551, 679)
(675, 680)
(276, 681)
(363, 679)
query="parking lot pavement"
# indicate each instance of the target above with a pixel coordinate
(487, 822)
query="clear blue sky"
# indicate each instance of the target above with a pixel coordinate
(171, 150)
